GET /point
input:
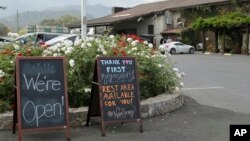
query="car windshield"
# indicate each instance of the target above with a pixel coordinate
(60, 38)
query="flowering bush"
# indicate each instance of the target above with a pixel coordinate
(155, 71)
(7, 71)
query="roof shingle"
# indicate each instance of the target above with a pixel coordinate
(148, 8)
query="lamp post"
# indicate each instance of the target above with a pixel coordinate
(83, 19)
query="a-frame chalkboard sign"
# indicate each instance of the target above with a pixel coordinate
(115, 92)
(42, 100)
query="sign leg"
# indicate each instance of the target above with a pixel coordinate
(20, 137)
(103, 128)
(141, 127)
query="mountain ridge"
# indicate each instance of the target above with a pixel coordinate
(33, 17)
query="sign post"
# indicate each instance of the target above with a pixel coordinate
(118, 91)
(42, 101)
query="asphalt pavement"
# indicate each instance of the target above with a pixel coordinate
(191, 122)
(216, 95)
(217, 80)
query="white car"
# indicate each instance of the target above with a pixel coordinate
(71, 37)
(176, 47)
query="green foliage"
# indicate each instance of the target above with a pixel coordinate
(22, 31)
(227, 21)
(3, 30)
(190, 36)
(62, 21)
(7, 71)
(155, 72)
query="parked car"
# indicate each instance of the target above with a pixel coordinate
(36, 38)
(199, 46)
(71, 37)
(5, 40)
(176, 47)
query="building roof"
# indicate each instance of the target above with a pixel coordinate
(150, 8)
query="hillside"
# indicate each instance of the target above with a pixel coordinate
(34, 17)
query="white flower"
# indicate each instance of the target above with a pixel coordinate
(77, 42)
(178, 75)
(53, 48)
(150, 45)
(145, 42)
(111, 36)
(59, 44)
(68, 43)
(181, 84)
(63, 49)
(183, 74)
(72, 63)
(175, 69)
(89, 44)
(83, 45)
(1, 73)
(87, 90)
(55, 54)
(104, 52)
(134, 48)
(11, 62)
(69, 50)
(134, 43)
(160, 65)
(177, 89)
(16, 47)
(129, 39)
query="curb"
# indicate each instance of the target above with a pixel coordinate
(150, 107)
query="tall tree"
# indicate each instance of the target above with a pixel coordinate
(62, 21)
(3, 30)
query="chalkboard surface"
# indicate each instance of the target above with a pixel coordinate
(41, 92)
(118, 89)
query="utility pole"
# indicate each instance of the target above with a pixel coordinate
(83, 19)
(17, 21)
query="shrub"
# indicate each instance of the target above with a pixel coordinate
(156, 73)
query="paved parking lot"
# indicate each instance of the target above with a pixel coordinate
(217, 80)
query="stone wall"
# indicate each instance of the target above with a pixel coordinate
(154, 106)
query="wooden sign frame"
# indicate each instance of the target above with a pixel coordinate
(96, 95)
(17, 108)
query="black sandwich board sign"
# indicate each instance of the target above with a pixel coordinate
(115, 92)
(42, 101)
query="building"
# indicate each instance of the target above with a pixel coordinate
(158, 19)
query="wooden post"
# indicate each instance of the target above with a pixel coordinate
(216, 41)
(203, 41)
(247, 49)
(224, 41)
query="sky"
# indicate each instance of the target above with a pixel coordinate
(29, 5)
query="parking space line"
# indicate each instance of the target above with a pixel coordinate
(204, 88)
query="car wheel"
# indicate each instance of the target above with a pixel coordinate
(172, 51)
(191, 51)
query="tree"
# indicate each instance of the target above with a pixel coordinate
(225, 25)
(62, 21)
(3, 30)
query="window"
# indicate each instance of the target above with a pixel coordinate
(150, 29)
